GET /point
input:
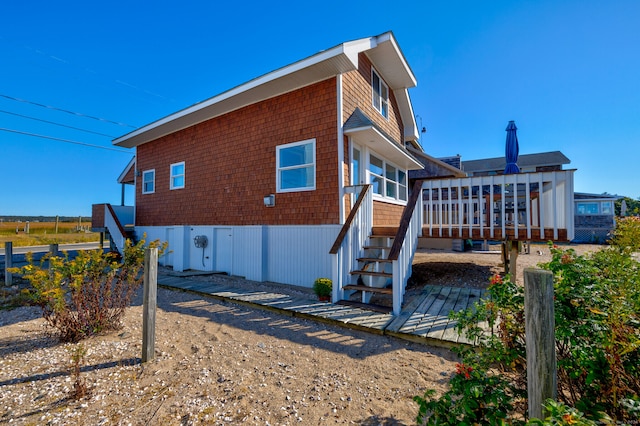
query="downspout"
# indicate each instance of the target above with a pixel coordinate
(340, 149)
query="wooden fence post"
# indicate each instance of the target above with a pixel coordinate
(149, 303)
(542, 381)
(513, 260)
(53, 249)
(8, 263)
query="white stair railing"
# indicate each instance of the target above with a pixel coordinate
(114, 225)
(405, 245)
(350, 241)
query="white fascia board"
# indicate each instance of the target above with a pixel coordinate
(388, 36)
(126, 169)
(370, 136)
(411, 132)
(348, 50)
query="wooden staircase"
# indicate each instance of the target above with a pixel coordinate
(374, 272)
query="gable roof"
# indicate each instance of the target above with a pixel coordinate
(127, 175)
(543, 159)
(382, 50)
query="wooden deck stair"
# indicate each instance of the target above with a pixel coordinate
(374, 269)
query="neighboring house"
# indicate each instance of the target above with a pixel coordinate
(594, 213)
(595, 217)
(528, 163)
(299, 174)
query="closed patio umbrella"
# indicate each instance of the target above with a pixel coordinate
(511, 149)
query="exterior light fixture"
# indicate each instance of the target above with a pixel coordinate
(270, 200)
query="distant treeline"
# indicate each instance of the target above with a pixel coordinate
(44, 218)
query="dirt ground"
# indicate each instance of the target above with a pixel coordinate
(220, 363)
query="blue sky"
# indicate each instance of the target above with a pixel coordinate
(567, 72)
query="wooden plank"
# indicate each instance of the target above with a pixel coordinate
(371, 273)
(409, 310)
(365, 306)
(374, 259)
(474, 296)
(430, 298)
(442, 316)
(429, 317)
(419, 316)
(383, 290)
(450, 333)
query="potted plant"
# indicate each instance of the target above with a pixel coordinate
(323, 288)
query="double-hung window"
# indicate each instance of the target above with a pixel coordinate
(177, 176)
(148, 181)
(296, 166)
(380, 94)
(388, 181)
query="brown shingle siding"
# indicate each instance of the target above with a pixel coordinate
(230, 165)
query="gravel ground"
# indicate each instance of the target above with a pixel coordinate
(219, 363)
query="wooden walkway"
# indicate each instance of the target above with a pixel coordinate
(423, 320)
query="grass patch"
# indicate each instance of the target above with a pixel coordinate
(44, 233)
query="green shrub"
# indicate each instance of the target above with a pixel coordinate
(323, 287)
(626, 235)
(86, 295)
(597, 317)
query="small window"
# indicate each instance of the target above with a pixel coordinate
(388, 181)
(296, 166)
(587, 208)
(380, 94)
(376, 166)
(607, 207)
(177, 176)
(148, 181)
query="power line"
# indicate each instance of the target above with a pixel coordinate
(56, 124)
(67, 111)
(63, 140)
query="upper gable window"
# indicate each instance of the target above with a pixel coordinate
(148, 181)
(177, 176)
(296, 166)
(380, 94)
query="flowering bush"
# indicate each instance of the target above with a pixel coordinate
(597, 317)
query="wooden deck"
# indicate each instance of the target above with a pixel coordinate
(476, 232)
(424, 319)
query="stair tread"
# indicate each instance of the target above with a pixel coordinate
(377, 247)
(366, 306)
(373, 259)
(384, 290)
(372, 273)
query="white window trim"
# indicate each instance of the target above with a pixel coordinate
(313, 163)
(374, 95)
(384, 197)
(172, 176)
(146, 172)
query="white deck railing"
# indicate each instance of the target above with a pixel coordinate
(352, 239)
(532, 206)
(402, 263)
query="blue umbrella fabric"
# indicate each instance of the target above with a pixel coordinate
(512, 149)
